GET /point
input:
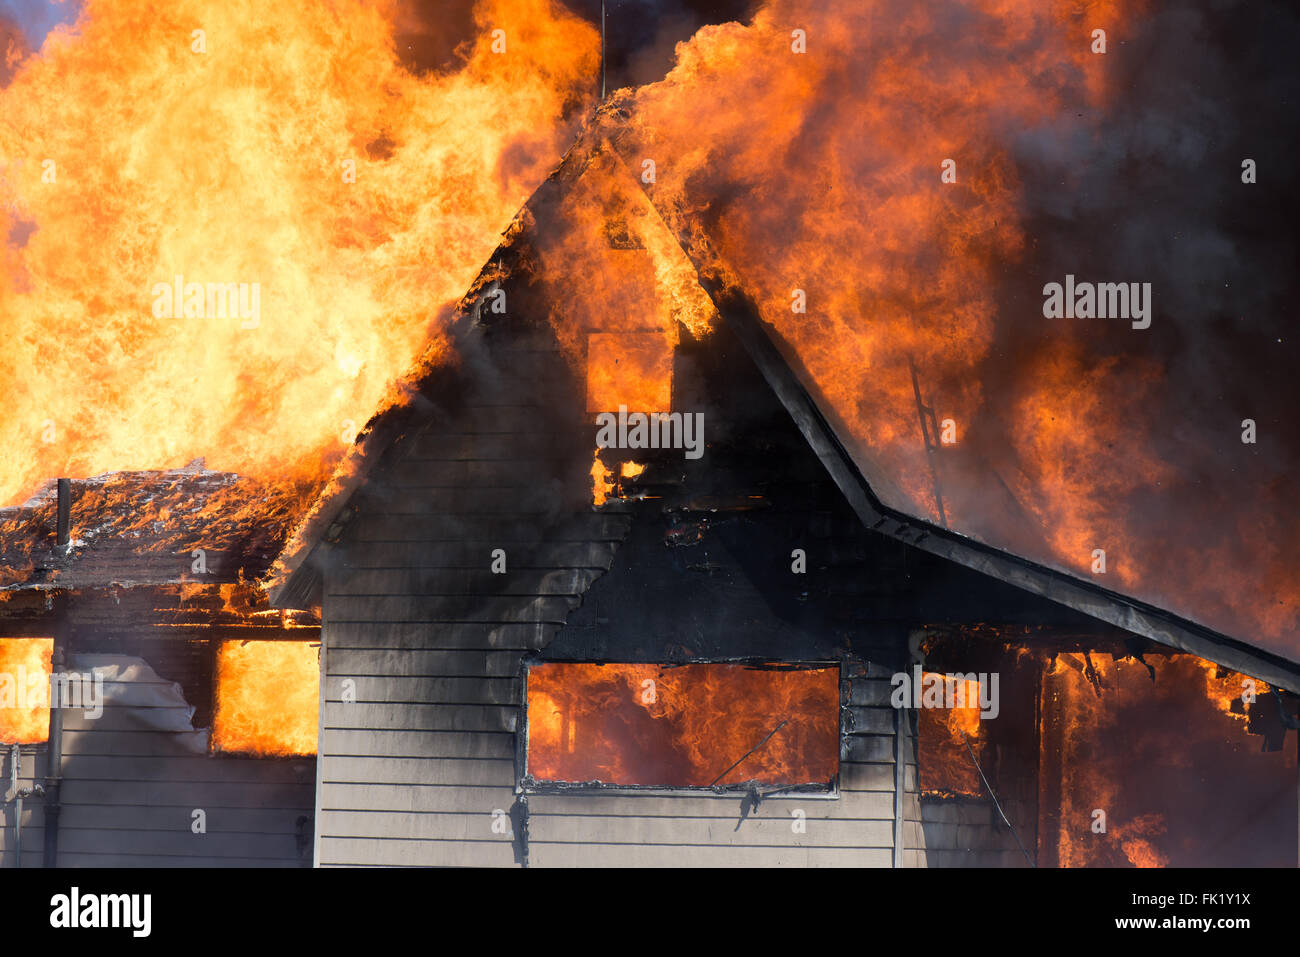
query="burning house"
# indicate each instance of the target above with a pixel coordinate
(651, 562)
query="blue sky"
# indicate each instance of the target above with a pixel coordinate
(38, 17)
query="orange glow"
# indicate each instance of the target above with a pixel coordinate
(601, 481)
(268, 697)
(24, 689)
(820, 173)
(621, 289)
(682, 726)
(294, 151)
(944, 761)
(1122, 740)
(628, 370)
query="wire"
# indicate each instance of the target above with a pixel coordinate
(989, 788)
(749, 752)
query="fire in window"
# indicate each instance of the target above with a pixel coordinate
(268, 697)
(694, 725)
(24, 689)
(629, 369)
(950, 740)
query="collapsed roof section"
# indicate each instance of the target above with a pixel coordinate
(176, 526)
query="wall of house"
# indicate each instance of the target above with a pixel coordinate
(855, 828)
(424, 645)
(133, 777)
(969, 832)
(31, 771)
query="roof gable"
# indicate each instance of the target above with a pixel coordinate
(865, 483)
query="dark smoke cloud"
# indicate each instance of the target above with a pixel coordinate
(641, 35)
(1151, 191)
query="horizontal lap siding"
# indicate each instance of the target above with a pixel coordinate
(418, 757)
(853, 829)
(421, 700)
(31, 772)
(414, 768)
(129, 793)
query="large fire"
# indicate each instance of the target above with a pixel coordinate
(295, 156)
(688, 726)
(24, 689)
(1167, 761)
(268, 697)
(281, 145)
(802, 156)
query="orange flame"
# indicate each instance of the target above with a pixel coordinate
(812, 182)
(24, 689)
(682, 726)
(945, 762)
(1112, 755)
(284, 146)
(268, 697)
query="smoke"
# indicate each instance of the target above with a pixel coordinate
(1151, 190)
(820, 171)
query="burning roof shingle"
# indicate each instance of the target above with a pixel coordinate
(160, 527)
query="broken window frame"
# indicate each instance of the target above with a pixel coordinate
(527, 785)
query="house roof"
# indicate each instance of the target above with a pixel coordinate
(865, 483)
(144, 527)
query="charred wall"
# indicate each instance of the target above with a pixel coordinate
(425, 645)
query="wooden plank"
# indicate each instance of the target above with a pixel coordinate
(131, 742)
(352, 851)
(419, 744)
(127, 859)
(874, 692)
(867, 748)
(211, 846)
(482, 609)
(542, 854)
(107, 817)
(871, 720)
(198, 769)
(420, 717)
(432, 690)
(116, 719)
(461, 582)
(856, 806)
(341, 662)
(207, 796)
(419, 636)
(342, 796)
(867, 777)
(409, 770)
(445, 825)
(708, 832)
